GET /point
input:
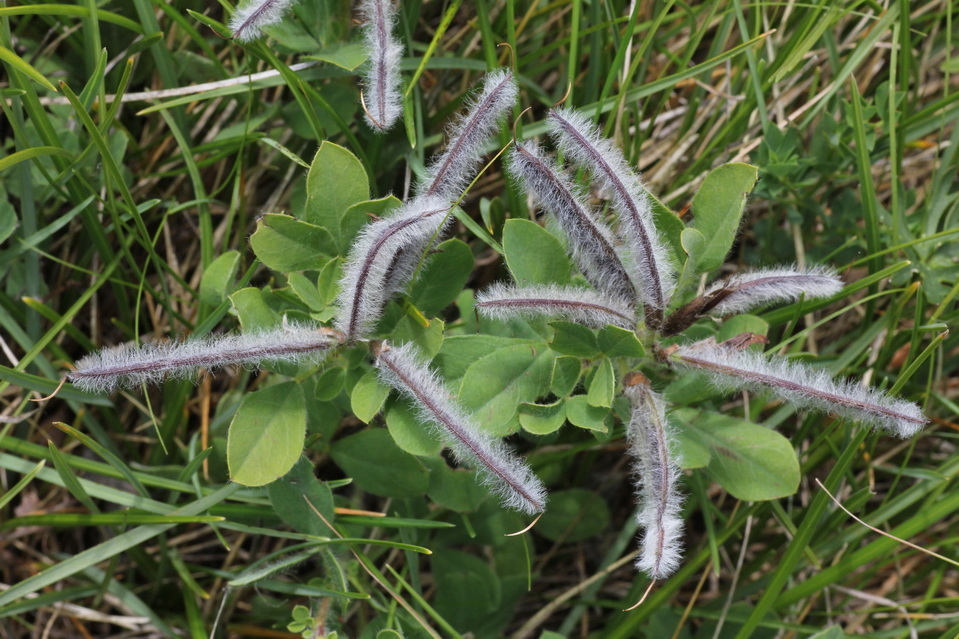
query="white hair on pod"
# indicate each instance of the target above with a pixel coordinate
(450, 173)
(657, 475)
(371, 272)
(248, 21)
(744, 291)
(509, 476)
(125, 366)
(591, 240)
(578, 138)
(805, 386)
(502, 301)
(381, 85)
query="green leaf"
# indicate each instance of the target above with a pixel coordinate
(330, 383)
(460, 351)
(368, 397)
(361, 214)
(25, 481)
(428, 338)
(24, 67)
(33, 152)
(742, 324)
(670, 228)
(218, 278)
(718, 208)
(454, 488)
(574, 515)
(752, 462)
(468, 592)
(443, 276)
(574, 339)
(328, 281)
(614, 341)
(348, 56)
(377, 466)
(602, 386)
(253, 310)
(581, 414)
(8, 217)
(285, 243)
(409, 432)
(289, 496)
(533, 254)
(336, 182)
(267, 433)
(308, 293)
(566, 372)
(542, 419)
(694, 244)
(494, 385)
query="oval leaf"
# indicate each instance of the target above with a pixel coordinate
(266, 436)
(286, 244)
(377, 466)
(718, 208)
(533, 254)
(336, 181)
(752, 462)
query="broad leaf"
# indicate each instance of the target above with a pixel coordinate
(602, 385)
(494, 385)
(442, 277)
(542, 419)
(218, 278)
(718, 208)
(533, 254)
(574, 515)
(368, 396)
(574, 339)
(408, 430)
(286, 244)
(614, 341)
(267, 433)
(581, 414)
(290, 494)
(377, 466)
(336, 181)
(752, 462)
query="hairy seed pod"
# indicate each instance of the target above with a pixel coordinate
(657, 475)
(590, 239)
(126, 366)
(450, 173)
(381, 85)
(507, 475)
(249, 20)
(582, 305)
(380, 262)
(731, 369)
(579, 139)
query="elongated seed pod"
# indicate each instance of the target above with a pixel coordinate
(248, 21)
(381, 86)
(582, 305)
(590, 239)
(578, 138)
(450, 173)
(807, 387)
(125, 366)
(375, 267)
(657, 477)
(742, 292)
(507, 475)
